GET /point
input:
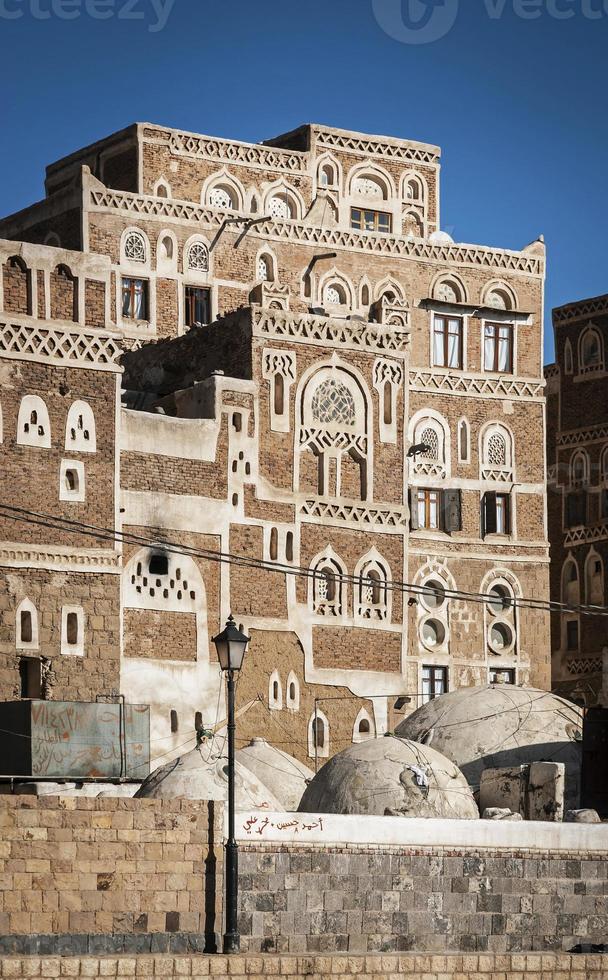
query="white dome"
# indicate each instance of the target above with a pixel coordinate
(202, 775)
(390, 777)
(499, 726)
(281, 773)
(441, 238)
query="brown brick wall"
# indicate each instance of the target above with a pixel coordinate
(159, 635)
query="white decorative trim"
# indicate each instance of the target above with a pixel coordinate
(352, 334)
(275, 703)
(292, 703)
(84, 439)
(391, 373)
(33, 425)
(26, 605)
(323, 751)
(65, 491)
(598, 434)
(35, 341)
(359, 143)
(341, 513)
(19, 555)
(427, 381)
(283, 363)
(475, 256)
(580, 311)
(229, 151)
(585, 535)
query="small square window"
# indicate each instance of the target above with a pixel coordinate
(71, 480)
(502, 675)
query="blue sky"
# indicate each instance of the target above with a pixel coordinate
(514, 92)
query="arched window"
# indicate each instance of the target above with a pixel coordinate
(265, 268)
(448, 291)
(327, 588)
(413, 190)
(370, 186)
(198, 257)
(17, 286)
(166, 248)
(33, 426)
(80, 429)
(222, 196)
(497, 454)
(281, 206)
(363, 728)
(568, 364)
(372, 591)
(275, 692)
(579, 469)
(134, 247)
(594, 579)
(318, 735)
(327, 175)
(292, 697)
(26, 626)
(591, 351)
(571, 593)
(334, 294)
(432, 433)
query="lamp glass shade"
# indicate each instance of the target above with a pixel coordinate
(231, 645)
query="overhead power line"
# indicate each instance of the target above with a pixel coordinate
(23, 515)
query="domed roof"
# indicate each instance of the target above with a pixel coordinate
(281, 773)
(498, 726)
(202, 775)
(390, 777)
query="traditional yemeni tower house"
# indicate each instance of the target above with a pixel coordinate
(577, 453)
(294, 321)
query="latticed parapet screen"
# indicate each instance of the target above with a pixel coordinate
(597, 434)
(353, 334)
(39, 342)
(586, 535)
(357, 515)
(476, 256)
(452, 384)
(582, 310)
(225, 151)
(407, 152)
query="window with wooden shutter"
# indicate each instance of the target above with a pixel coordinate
(576, 509)
(452, 511)
(496, 512)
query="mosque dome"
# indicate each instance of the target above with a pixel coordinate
(390, 776)
(501, 726)
(284, 776)
(202, 774)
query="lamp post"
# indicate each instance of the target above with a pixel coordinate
(230, 645)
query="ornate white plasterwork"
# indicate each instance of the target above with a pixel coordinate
(37, 341)
(582, 665)
(366, 516)
(597, 434)
(249, 154)
(66, 559)
(354, 334)
(475, 256)
(584, 535)
(280, 363)
(357, 143)
(453, 384)
(582, 310)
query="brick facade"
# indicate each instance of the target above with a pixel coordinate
(577, 454)
(278, 431)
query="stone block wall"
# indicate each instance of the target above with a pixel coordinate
(363, 899)
(109, 874)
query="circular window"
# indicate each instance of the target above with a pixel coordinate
(433, 633)
(500, 599)
(501, 637)
(434, 595)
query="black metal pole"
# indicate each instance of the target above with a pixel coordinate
(232, 940)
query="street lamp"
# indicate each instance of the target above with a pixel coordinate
(231, 645)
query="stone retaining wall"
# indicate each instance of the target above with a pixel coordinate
(387, 967)
(105, 875)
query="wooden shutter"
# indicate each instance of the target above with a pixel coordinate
(413, 498)
(452, 510)
(489, 513)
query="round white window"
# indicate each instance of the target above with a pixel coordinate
(500, 600)
(433, 633)
(501, 637)
(434, 595)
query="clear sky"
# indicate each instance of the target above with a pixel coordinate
(514, 91)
